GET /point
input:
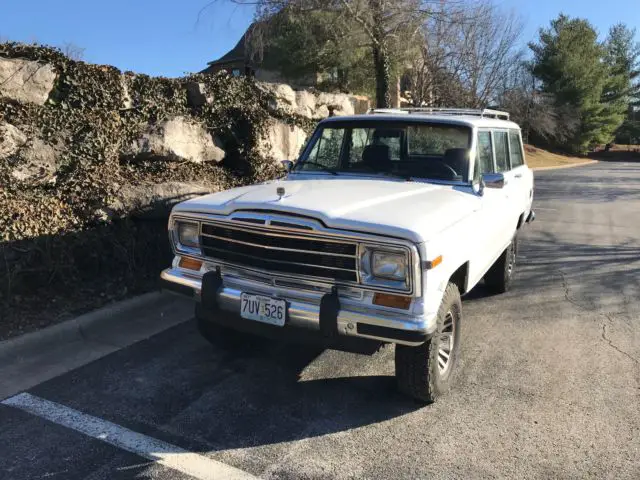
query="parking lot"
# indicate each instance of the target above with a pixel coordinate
(548, 384)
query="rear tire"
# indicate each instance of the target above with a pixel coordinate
(425, 372)
(498, 278)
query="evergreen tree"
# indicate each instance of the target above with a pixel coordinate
(571, 65)
(623, 56)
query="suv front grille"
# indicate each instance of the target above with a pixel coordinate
(284, 252)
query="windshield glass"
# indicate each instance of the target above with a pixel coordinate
(423, 150)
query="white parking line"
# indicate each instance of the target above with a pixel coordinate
(170, 456)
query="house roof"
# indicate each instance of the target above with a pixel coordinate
(236, 53)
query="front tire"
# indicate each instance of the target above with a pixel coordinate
(425, 372)
(498, 278)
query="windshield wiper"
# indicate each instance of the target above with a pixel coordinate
(323, 167)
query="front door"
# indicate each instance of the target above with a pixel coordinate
(491, 219)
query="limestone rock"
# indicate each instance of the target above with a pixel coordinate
(26, 81)
(197, 94)
(283, 141)
(361, 104)
(285, 96)
(37, 164)
(179, 139)
(127, 101)
(155, 200)
(337, 103)
(11, 139)
(306, 104)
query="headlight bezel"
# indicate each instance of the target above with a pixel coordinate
(368, 276)
(180, 245)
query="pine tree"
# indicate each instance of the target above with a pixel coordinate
(571, 65)
(623, 56)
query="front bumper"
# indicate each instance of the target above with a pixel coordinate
(304, 309)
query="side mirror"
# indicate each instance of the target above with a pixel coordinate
(493, 180)
(287, 164)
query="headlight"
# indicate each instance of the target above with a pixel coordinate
(187, 234)
(392, 266)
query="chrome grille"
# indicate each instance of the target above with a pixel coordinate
(280, 251)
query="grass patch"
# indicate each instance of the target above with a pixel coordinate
(539, 158)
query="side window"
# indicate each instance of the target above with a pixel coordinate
(484, 158)
(517, 159)
(502, 151)
(327, 149)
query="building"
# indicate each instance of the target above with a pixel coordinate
(240, 62)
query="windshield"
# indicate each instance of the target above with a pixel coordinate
(423, 150)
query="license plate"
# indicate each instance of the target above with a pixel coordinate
(263, 309)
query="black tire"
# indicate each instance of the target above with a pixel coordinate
(418, 371)
(498, 278)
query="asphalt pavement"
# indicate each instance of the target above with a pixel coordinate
(548, 385)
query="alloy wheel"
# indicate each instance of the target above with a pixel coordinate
(446, 343)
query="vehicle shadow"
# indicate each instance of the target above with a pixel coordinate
(206, 398)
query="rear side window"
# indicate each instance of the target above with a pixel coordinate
(484, 159)
(517, 159)
(502, 151)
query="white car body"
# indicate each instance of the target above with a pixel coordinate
(451, 230)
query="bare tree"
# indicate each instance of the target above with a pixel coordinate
(388, 27)
(72, 51)
(538, 114)
(466, 54)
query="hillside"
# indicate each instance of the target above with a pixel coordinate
(539, 158)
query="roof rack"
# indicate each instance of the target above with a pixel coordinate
(484, 113)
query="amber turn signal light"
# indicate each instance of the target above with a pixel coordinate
(434, 263)
(190, 263)
(393, 301)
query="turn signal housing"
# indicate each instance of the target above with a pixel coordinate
(390, 300)
(190, 263)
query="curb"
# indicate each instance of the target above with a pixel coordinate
(73, 327)
(558, 167)
(30, 359)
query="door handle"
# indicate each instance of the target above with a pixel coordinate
(518, 175)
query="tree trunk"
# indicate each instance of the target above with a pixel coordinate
(383, 77)
(381, 60)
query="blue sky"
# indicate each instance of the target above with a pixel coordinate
(169, 37)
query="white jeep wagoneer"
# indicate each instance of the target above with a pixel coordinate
(379, 227)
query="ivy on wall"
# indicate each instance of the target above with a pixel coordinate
(93, 115)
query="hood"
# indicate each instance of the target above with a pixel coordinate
(411, 210)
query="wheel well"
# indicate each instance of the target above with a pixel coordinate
(460, 276)
(520, 221)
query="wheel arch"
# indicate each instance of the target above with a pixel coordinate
(460, 278)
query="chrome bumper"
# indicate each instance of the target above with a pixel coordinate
(304, 309)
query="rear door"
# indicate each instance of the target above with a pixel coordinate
(513, 199)
(522, 175)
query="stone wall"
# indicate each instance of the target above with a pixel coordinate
(92, 159)
(183, 136)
